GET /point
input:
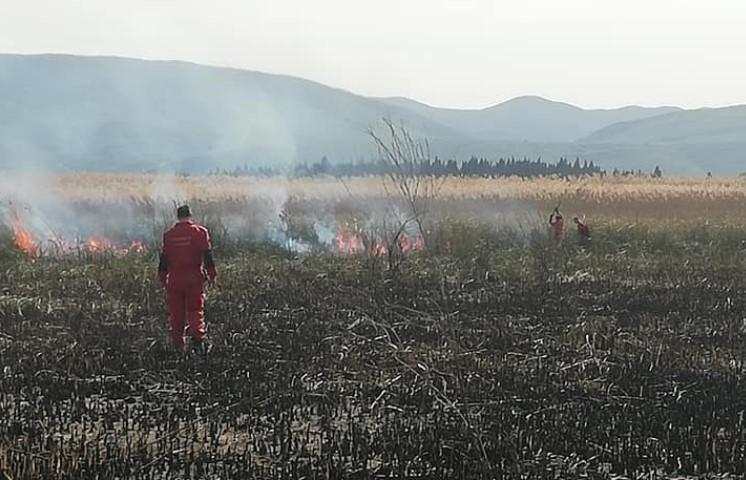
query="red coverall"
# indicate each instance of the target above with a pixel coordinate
(186, 262)
(583, 230)
(558, 226)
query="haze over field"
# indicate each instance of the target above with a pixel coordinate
(489, 62)
(201, 279)
(115, 114)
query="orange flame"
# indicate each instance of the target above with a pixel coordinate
(406, 244)
(349, 242)
(100, 244)
(22, 237)
(137, 247)
(26, 243)
(352, 242)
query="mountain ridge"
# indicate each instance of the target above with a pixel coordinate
(70, 112)
(703, 125)
(532, 118)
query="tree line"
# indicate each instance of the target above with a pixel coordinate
(474, 167)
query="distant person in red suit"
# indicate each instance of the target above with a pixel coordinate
(186, 262)
(558, 225)
(584, 233)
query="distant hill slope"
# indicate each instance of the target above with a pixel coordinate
(532, 119)
(703, 126)
(70, 112)
(65, 112)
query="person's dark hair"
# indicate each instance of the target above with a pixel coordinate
(183, 212)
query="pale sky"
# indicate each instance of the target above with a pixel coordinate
(457, 53)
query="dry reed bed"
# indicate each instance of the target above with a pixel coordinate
(125, 186)
(625, 199)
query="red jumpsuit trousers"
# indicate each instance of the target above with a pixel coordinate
(185, 297)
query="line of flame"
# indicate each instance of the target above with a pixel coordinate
(22, 237)
(26, 243)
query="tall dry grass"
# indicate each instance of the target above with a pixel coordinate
(610, 198)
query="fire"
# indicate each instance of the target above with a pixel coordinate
(407, 244)
(354, 241)
(22, 237)
(100, 244)
(26, 243)
(349, 242)
(137, 247)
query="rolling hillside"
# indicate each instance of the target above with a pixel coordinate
(530, 119)
(703, 126)
(63, 112)
(68, 112)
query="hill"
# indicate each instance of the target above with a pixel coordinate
(72, 113)
(69, 113)
(704, 126)
(530, 119)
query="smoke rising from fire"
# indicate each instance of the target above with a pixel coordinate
(45, 218)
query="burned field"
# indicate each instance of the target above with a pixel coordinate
(500, 358)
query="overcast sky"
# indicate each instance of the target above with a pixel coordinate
(458, 53)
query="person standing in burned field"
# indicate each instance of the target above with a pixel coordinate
(186, 263)
(558, 225)
(584, 232)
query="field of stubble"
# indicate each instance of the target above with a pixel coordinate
(490, 352)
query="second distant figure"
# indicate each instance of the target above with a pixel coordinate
(584, 233)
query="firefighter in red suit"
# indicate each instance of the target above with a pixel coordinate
(584, 233)
(558, 225)
(185, 264)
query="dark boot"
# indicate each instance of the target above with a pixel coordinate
(201, 347)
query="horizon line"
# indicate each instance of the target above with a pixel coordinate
(434, 105)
